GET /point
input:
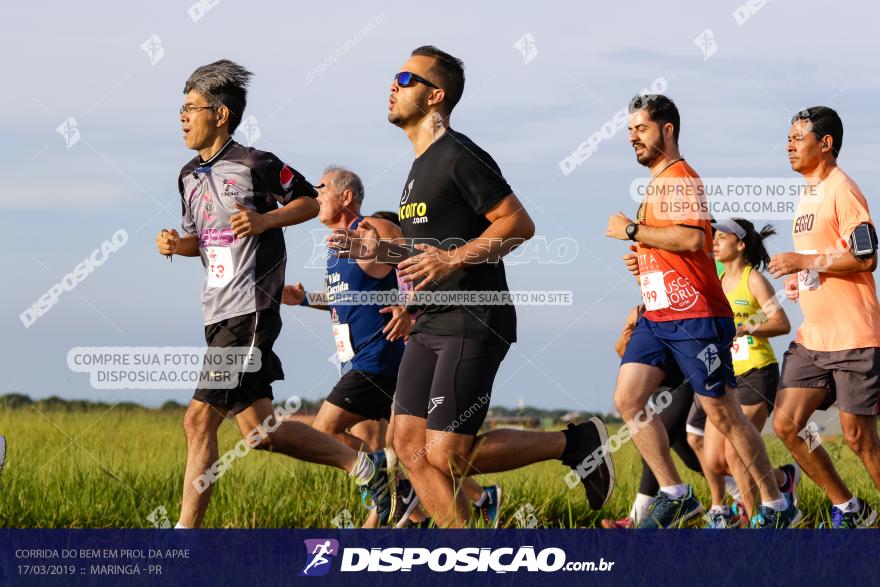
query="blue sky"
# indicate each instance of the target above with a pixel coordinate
(85, 61)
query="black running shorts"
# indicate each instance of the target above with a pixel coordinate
(255, 330)
(757, 386)
(365, 394)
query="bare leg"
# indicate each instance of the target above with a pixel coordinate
(860, 433)
(295, 439)
(726, 414)
(635, 384)
(757, 415)
(336, 422)
(200, 424)
(505, 450)
(714, 462)
(471, 488)
(433, 460)
(696, 443)
(371, 433)
(794, 407)
(715, 483)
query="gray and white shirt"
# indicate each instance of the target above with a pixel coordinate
(241, 275)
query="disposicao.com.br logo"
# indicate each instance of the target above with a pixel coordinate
(444, 559)
(319, 556)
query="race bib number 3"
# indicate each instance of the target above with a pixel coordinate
(342, 335)
(654, 291)
(220, 269)
(740, 348)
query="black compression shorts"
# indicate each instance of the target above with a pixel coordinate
(448, 381)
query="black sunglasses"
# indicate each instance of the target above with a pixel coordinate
(408, 78)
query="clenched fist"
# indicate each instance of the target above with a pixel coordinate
(293, 295)
(167, 241)
(247, 222)
(791, 288)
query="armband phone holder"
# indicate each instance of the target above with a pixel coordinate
(863, 241)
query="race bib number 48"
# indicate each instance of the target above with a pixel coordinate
(654, 291)
(342, 335)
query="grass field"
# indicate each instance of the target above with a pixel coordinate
(91, 469)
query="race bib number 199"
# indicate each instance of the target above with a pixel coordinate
(654, 291)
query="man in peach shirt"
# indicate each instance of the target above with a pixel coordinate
(836, 354)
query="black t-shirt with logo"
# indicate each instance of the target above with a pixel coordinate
(450, 188)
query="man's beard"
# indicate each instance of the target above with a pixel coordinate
(651, 154)
(402, 118)
(395, 118)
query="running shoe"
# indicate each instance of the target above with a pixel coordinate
(667, 512)
(380, 489)
(405, 503)
(865, 517)
(739, 508)
(719, 519)
(792, 474)
(770, 518)
(596, 473)
(490, 508)
(621, 524)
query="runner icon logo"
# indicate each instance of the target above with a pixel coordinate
(707, 43)
(811, 435)
(710, 358)
(319, 555)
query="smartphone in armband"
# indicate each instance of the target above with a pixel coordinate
(863, 242)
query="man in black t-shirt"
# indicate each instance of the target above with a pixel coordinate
(459, 217)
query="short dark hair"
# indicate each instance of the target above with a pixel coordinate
(660, 109)
(386, 215)
(450, 71)
(222, 83)
(825, 121)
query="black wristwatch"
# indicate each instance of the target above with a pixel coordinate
(631, 230)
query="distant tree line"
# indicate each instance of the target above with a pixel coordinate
(53, 403)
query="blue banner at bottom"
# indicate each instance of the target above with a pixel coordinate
(435, 557)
